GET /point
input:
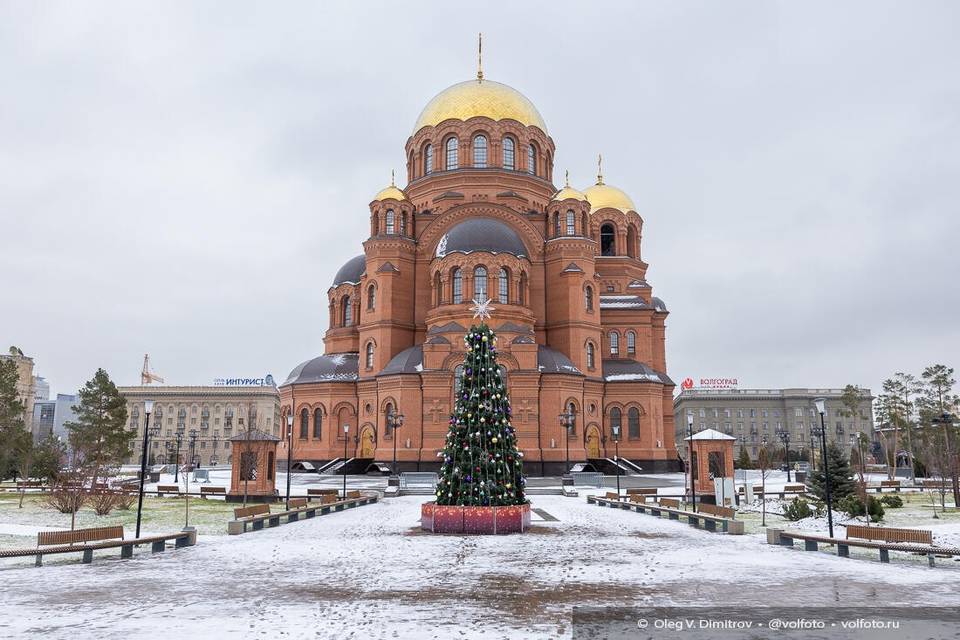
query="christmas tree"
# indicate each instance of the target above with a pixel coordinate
(841, 477)
(481, 463)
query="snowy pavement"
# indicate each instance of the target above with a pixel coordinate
(370, 572)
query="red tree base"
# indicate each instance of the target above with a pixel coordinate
(483, 520)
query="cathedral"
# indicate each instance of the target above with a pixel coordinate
(580, 333)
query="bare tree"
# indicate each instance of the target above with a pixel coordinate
(767, 459)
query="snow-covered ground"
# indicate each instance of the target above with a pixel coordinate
(371, 572)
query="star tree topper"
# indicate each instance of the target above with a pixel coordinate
(481, 309)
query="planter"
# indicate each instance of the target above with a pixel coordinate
(482, 520)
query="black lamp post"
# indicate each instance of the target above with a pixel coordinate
(176, 466)
(784, 436)
(615, 433)
(147, 409)
(193, 444)
(289, 453)
(346, 431)
(567, 421)
(821, 409)
(394, 422)
(693, 486)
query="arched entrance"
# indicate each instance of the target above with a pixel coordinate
(593, 443)
(366, 443)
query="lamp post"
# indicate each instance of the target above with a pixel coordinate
(193, 444)
(567, 421)
(821, 409)
(289, 453)
(615, 433)
(147, 409)
(784, 436)
(176, 466)
(693, 486)
(394, 422)
(346, 431)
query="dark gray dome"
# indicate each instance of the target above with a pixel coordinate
(481, 234)
(335, 367)
(632, 371)
(552, 361)
(658, 304)
(351, 271)
(407, 361)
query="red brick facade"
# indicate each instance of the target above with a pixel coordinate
(396, 313)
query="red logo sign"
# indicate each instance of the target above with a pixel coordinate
(687, 383)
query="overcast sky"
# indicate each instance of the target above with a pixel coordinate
(184, 179)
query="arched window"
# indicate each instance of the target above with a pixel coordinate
(633, 423)
(615, 419)
(631, 343)
(591, 357)
(504, 288)
(503, 374)
(614, 343)
(522, 291)
(369, 355)
(457, 286)
(608, 240)
(387, 412)
(556, 225)
(317, 422)
(508, 154)
(403, 223)
(438, 288)
(480, 283)
(391, 222)
(371, 298)
(347, 312)
(428, 160)
(304, 423)
(571, 223)
(572, 410)
(480, 152)
(452, 148)
(589, 298)
(532, 159)
(632, 244)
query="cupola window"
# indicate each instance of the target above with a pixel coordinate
(304, 423)
(457, 286)
(317, 423)
(607, 240)
(631, 343)
(614, 343)
(508, 154)
(428, 160)
(589, 298)
(480, 152)
(480, 283)
(556, 225)
(532, 159)
(504, 286)
(452, 148)
(347, 312)
(571, 223)
(391, 222)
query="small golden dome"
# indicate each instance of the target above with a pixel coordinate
(568, 192)
(480, 98)
(391, 192)
(602, 196)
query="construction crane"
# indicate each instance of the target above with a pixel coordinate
(146, 377)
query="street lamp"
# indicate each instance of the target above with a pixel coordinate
(394, 422)
(615, 433)
(346, 430)
(821, 409)
(147, 409)
(193, 444)
(693, 488)
(289, 452)
(567, 420)
(176, 466)
(784, 436)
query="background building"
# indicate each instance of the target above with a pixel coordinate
(217, 413)
(750, 415)
(25, 383)
(578, 326)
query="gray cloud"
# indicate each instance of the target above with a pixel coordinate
(185, 178)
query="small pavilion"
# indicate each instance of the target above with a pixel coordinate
(254, 471)
(710, 456)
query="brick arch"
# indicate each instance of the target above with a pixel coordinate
(340, 406)
(530, 236)
(386, 401)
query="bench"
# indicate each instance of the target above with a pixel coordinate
(255, 516)
(322, 492)
(890, 534)
(642, 491)
(709, 522)
(612, 495)
(714, 510)
(212, 491)
(639, 497)
(889, 484)
(811, 542)
(794, 488)
(168, 488)
(86, 541)
(29, 484)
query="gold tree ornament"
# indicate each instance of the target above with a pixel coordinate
(482, 309)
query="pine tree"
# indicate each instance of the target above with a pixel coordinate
(13, 434)
(99, 436)
(481, 463)
(841, 477)
(744, 461)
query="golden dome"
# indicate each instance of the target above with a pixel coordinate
(602, 196)
(391, 192)
(480, 98)
(568, 192)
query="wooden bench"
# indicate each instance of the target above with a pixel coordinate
(245, 517)
(794, 488)
(889, 484)
(86, 541)
(714, 510)
(640, 497)
(642, 491)
(709, 522)
(212, 491)
(322, 492)
(168, 488)
(352, 494)
(670, 503)
(890, 534)
(812, 541)
(29, 484)
(612, 495)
